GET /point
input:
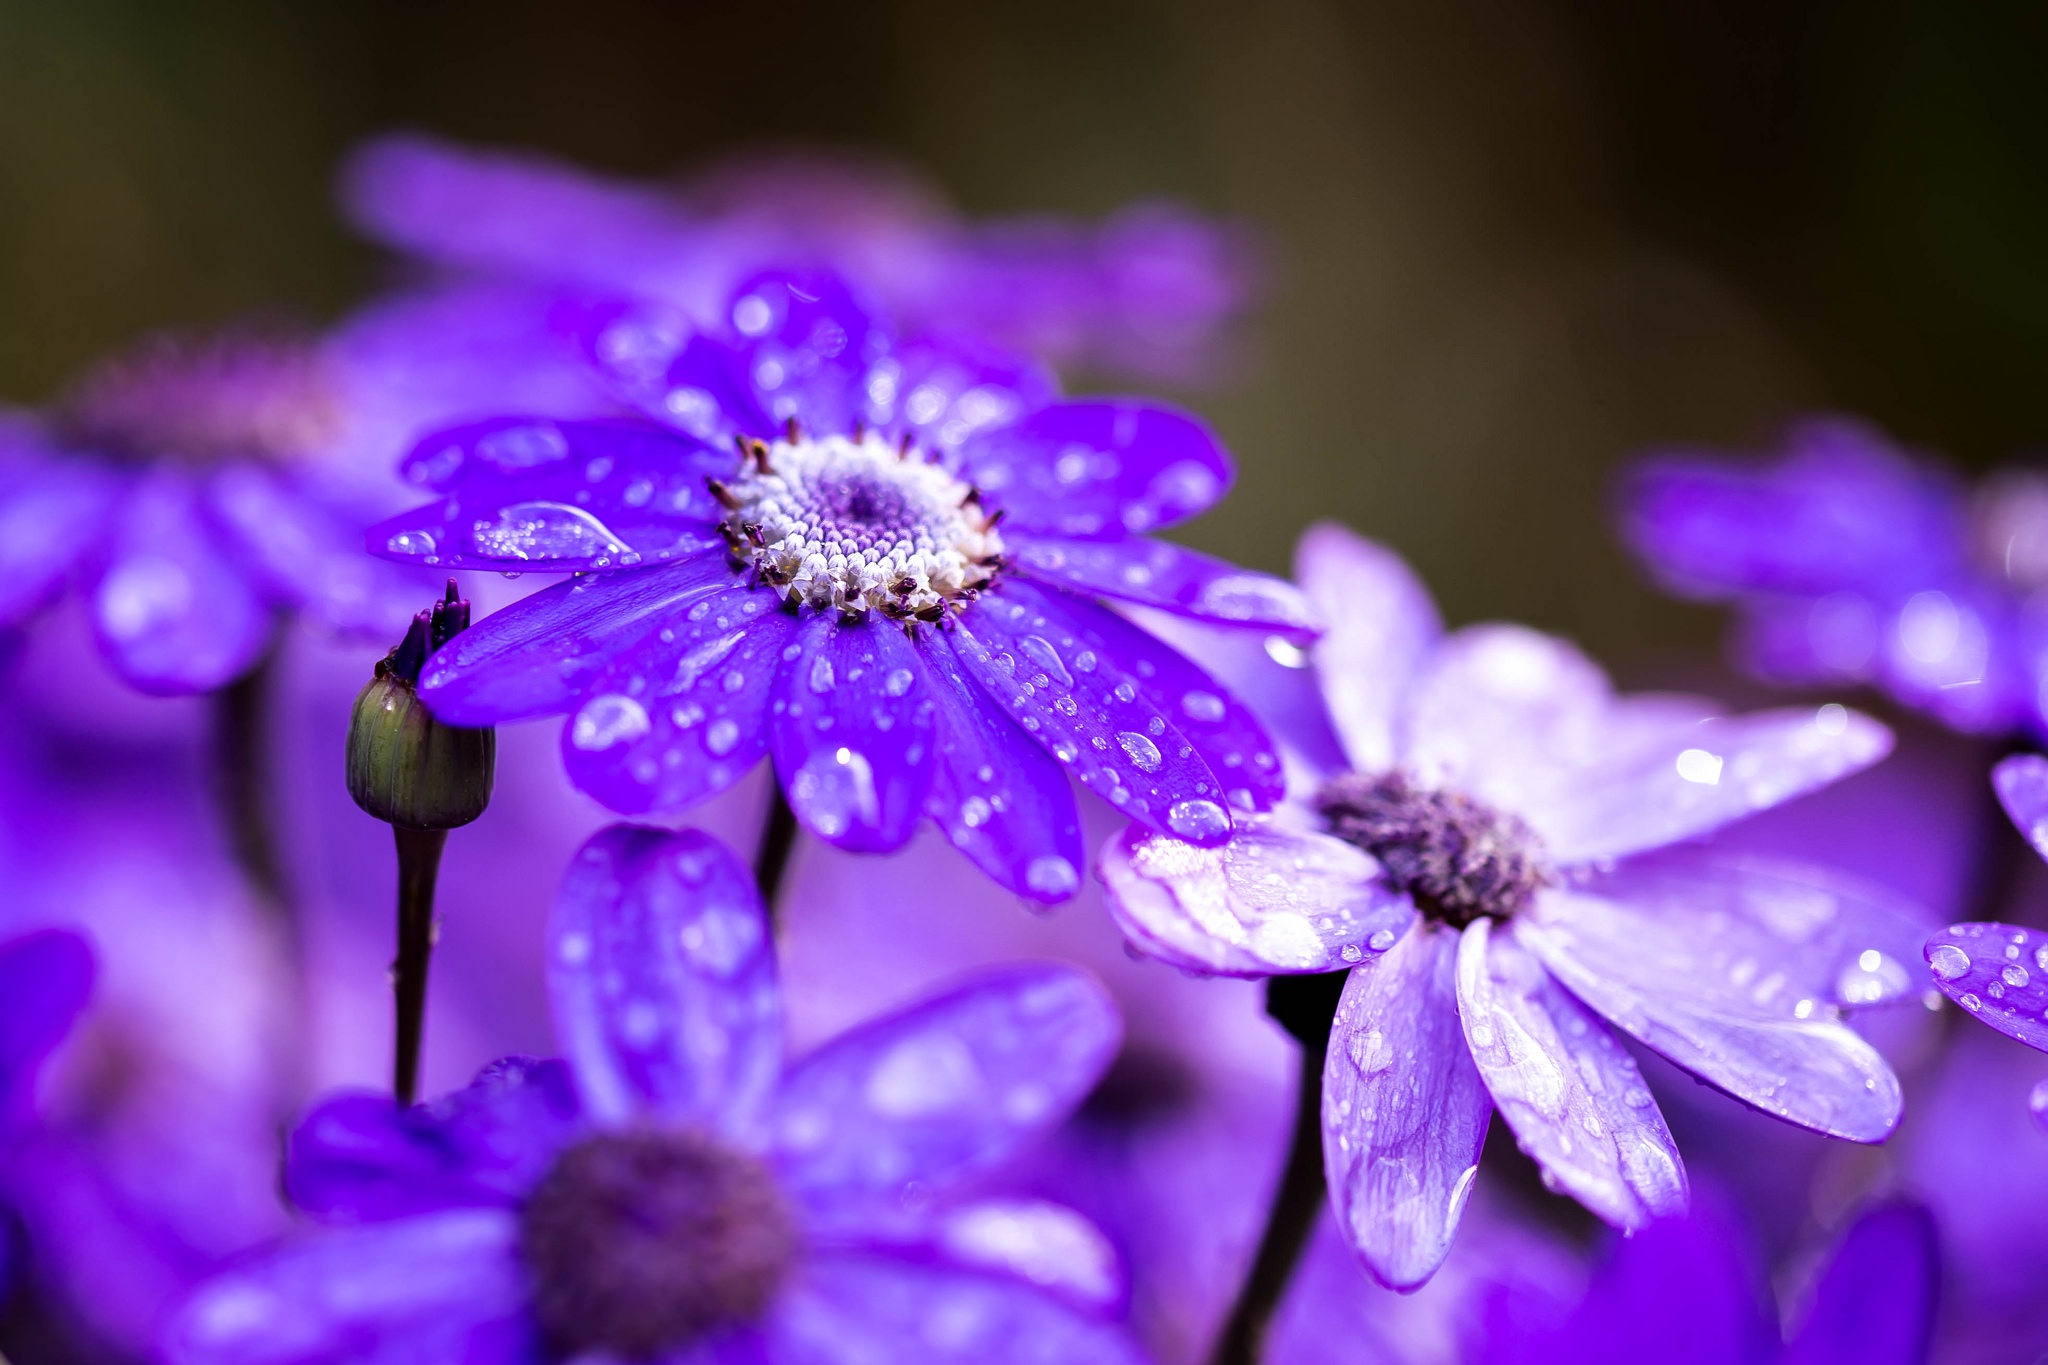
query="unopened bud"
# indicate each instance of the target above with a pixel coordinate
(405, 767)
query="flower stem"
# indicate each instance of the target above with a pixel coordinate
(1305, 1007)
(778, 841)
(419, 862)
(241, 724)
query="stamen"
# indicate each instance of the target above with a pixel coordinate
(1459, 859)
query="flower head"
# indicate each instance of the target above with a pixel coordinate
(1475, 834)
(674, 1186)
(878, 562)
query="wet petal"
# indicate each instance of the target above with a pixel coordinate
(1745, 1026)
(867, 1310)
(46, 978)
(537, 656)
(1157, 573)
(681, 717)
(852, 734)
(1565, 1084)
(416, 1289)
(945, 393)
(1404, 1111)
(662, 974)
(807, 346)
(1034, 654)
(1273, 899)
(1378, 625)
(173, 611)
(1875, 1302)
(1001, 800)
(941, 1091)
(1100, 468)
(2022, 785)
(53, 515)
(1997, 972)
(1049, 1245)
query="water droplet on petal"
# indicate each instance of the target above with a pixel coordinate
(1051, 875)
(608, 719)
(1142, 751)
(1197, 819)
(721, 735)
(1949, 961)
(1203, 706)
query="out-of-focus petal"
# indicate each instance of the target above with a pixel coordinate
(53, 515)
(413, 1290)
(864, 1310)
(1378, 625)
(537, 656)
(1875, 1302)
(1565, 1084)
(1273, 899)
(1742, 1025)
(1100, 468)
(1404, 1110)
(1158, 573)
(662, 974)
(1999, 973)
(1001, 800)
(45, 980)
(943, 393)
(1048, 1244)
(173, 611)
(852, 734)
(2022, 785)
(941, 1091)
(808, 345)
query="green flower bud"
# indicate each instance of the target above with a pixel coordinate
(405, 767)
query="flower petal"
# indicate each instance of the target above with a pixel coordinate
(852, 734)
(1999, 973)
(46, 978)
(1875, 1302)
(1742, 1026)
(53, 516)
(1048, 1244)
(2022, 785)
(662, 973)
(1565, 1085)
(1273, 899)
(1100, 468)
(941, 1091)
(416, 1289)
(174, 614)
(1035, 655)
(1378, 625)
(807, 345)
(942, 394)
(1158, 573)
(678, 719)
(866, 1310)
(537, 656)
(1404, 1111)
(1001, 800)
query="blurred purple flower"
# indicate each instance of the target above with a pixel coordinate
(45, 980)
(1151, 290)
(200, 485)
(948, 522)
(1478, 839)
(1851, 561)
(674, 1191)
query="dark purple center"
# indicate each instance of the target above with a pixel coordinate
(205, 399)
(640, 1243)
(1457, 858)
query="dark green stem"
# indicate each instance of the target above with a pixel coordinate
(778, 841)
(419, 863)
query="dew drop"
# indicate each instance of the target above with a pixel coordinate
(1142, 751)
(1051, 875)
(898, 682)
(1203, 706)
(1949, 961)
(1197, 819)
(721, 735)
(609, 719)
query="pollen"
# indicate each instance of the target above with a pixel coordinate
(1459, 859)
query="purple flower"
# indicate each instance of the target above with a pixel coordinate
(199, 486)
(1149, 290)
(1475, 833)
(875, 561)
(1850, 561)
(45, 980)
(674, 1191)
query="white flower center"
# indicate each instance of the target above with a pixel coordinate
(859, 525)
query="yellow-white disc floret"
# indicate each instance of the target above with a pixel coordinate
(858, 524)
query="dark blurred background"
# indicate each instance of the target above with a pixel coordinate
(1513, 241)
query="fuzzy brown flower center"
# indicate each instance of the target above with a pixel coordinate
(1459, 859)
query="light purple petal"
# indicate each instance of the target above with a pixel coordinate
(1158, 573)
(1729, 1018)
(662, 973)
(807, 345)
(944, 393)
(173, 612)
(1565, 1085)
(2022, 785)
(941, 1091)
(1404, 1111)
(1378, 625)
(867, 1310)
(1049, 1245)
(1273, 899)
(537, 656)
(417, 1289)
(853, 733)
(1031, 653)
(1875, 1302)
(1999, 973)
(46, 978)
(53, 516)
(677, 720)
(1100, 468)
(1001, 800)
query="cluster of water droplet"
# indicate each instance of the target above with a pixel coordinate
(859, 525)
